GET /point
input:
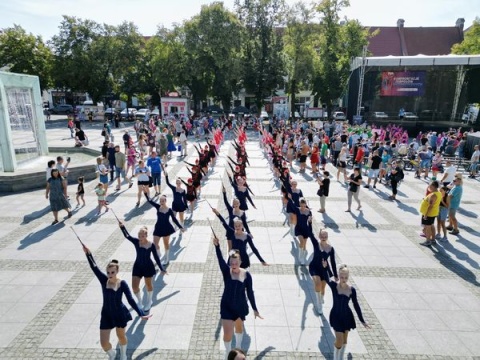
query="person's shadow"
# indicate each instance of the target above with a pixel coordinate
(34, 215)
(175, 248)
(327, 339)
(330, 223)
(264, 353)
(40, 235)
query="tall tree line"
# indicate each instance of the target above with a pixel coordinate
(260, 46)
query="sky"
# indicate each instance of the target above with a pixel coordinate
(42, 17)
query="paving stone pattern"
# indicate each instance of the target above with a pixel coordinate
(421, 303)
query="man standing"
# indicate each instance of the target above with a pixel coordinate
(155, 164)
(119, 166)
(474, 161)
(454, 197)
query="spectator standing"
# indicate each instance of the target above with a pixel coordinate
(454, 198)
(474, 161)
(155, 164)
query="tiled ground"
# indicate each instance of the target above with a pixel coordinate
(420, 302)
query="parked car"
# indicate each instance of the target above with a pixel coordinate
(109, 113)
(408, 115)
(62, 109)
(339, 115)
(380, 115)
(131, 113)
(140, 114)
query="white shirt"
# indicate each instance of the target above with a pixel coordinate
(475, 155)
(450, 174)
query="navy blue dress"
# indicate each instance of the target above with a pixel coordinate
(315, 267)
(341, 316)
(234, 304)
(179, 203)
(296, 200)
(143, 266)
(114, 313)
(163, 227)
(240, 243)
(242, 196)
(232, 216)
(303, 227)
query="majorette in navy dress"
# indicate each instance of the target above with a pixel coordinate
(341, 316)
(179, 203)
(234, 304)
(163, 227)
(232, 216)
(143, 266)
(240, 242)
(303, 227)
(315, 267)
(114, 312)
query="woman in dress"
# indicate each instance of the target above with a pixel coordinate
(341, 316)
(170, 144)
(323, 189)
(322, 250)
(235, 211)
(143, 266)
(163, 227)
(303, 228)
(233, 306)
(241, 190)
(297, 194)
(114, 313)
(55, 192)
(131, 161)
(179, 203)
(354, 183)
(314, 158)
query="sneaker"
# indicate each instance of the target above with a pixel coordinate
(367, 187)
(438, 236)
(443, 239)
(449, 228)
(427, 243)
(374, 187)
(454, 232)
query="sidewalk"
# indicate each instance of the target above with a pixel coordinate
(421, 303)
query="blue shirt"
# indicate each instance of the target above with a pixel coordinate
(455, 197)
(155, 164)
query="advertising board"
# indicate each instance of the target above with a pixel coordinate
(403, 83)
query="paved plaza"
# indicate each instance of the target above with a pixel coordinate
(421, 303)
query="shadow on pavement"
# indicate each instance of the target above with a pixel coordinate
(40, 235)
(35, 215)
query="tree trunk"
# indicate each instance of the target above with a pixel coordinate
(293, 90)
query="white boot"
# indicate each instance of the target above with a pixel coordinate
(167, 256)
(123, 352)
(336, 353)
(319, 302)
(342, 352)
(148, 306)
(238, 340)
(111, 354)
(228, 347)
(305, 256)
(138, 295)
(158, 253)
(292, 230)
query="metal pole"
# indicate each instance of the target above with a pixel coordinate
(458, 91)
(362, 78)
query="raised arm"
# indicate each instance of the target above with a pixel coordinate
(169, 184)
(356, 305)
(245, 224)
(101, 276)
(333, 262)
(227, 205)
(125, 232)
(251, 192)
(224, 223)
(128, 295)
(221, 261)
(153, 203)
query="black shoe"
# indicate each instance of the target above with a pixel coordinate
(367, 187)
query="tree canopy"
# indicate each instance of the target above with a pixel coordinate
(471, 42)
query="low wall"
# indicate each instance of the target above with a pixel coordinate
(25, 180)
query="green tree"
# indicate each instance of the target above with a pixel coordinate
(337, 44)
(26, 54)
(221, 37)
(299, 49)
(83, 58)
(471, 42)
(163, 62)
(263, 66)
